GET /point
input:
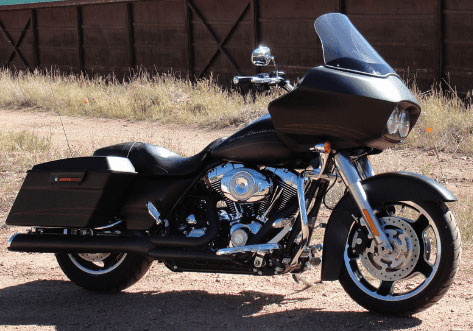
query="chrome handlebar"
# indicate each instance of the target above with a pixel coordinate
(262, 79)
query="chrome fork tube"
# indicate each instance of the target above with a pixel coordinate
(353, 181)
(302, 207)
(303, 217)
(366, 170)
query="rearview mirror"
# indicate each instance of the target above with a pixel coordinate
(261, 56)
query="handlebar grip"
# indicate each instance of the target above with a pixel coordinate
(242, 80)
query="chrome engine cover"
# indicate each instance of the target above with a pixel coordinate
(245, 185)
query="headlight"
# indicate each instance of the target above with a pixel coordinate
(393, 122)
(398, 124)
(403, 124)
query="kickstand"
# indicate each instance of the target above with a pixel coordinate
(299, 279)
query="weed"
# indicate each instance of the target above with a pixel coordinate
(24, 141)
(162, 98)
(445, 124)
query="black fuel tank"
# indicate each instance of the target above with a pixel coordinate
(258, 144)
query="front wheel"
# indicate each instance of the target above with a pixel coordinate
(104, 272)
(425, 258)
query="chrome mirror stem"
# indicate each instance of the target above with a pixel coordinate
(353, 181)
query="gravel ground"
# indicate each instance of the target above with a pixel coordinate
(35, 295)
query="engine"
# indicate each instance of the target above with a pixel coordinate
(249, 197)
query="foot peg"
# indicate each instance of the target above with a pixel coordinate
(153, 211)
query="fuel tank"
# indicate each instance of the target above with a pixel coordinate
(259, 144)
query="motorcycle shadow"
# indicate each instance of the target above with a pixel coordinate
(64, 306)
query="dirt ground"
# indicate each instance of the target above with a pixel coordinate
(35, 295)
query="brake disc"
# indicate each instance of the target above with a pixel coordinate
(395, 265)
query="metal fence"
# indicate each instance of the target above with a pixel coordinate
(431, 40)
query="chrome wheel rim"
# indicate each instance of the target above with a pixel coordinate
(97, 263)
(411, 280)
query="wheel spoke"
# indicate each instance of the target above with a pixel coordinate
(420, 224)
(424, 268)
(385, 288)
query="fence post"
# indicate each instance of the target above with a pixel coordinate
(131, 35)
(440, 43)
(79, 37)
(188, 27)
(341, 6)
(35, 38)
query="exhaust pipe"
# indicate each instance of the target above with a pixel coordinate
(56, 243)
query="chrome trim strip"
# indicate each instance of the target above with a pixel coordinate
(259, 248)
(11, 240)
(107, 226)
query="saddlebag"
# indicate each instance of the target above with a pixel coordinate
(75, 192)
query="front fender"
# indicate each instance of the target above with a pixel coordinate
(386, 187)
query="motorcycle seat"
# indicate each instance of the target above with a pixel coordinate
(152, 160)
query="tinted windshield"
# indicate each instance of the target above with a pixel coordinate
(345, 48)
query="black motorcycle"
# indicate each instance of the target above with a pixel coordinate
(248, 204)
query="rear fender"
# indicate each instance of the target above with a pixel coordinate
(387, 187)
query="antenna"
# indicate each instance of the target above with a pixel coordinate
(60, 118)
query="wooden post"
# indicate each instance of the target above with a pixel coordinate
(440, 43)
(341, 6)
(79, 37)
(131, 34)
(35, 38)
(254, 12)
(188, 27)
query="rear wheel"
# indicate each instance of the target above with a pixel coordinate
(425, 258)
(104, 272)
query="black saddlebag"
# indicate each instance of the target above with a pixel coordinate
(75, 192)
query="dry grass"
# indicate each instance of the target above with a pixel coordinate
(463, 211)
(162, 98)
(24, 141)
(20, 151)
(449, 119)
(168, 99)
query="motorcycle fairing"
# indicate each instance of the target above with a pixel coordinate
(348, 109)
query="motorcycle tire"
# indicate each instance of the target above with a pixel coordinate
(104, 272)
(439, 274)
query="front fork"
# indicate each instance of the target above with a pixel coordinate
(352, 179)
